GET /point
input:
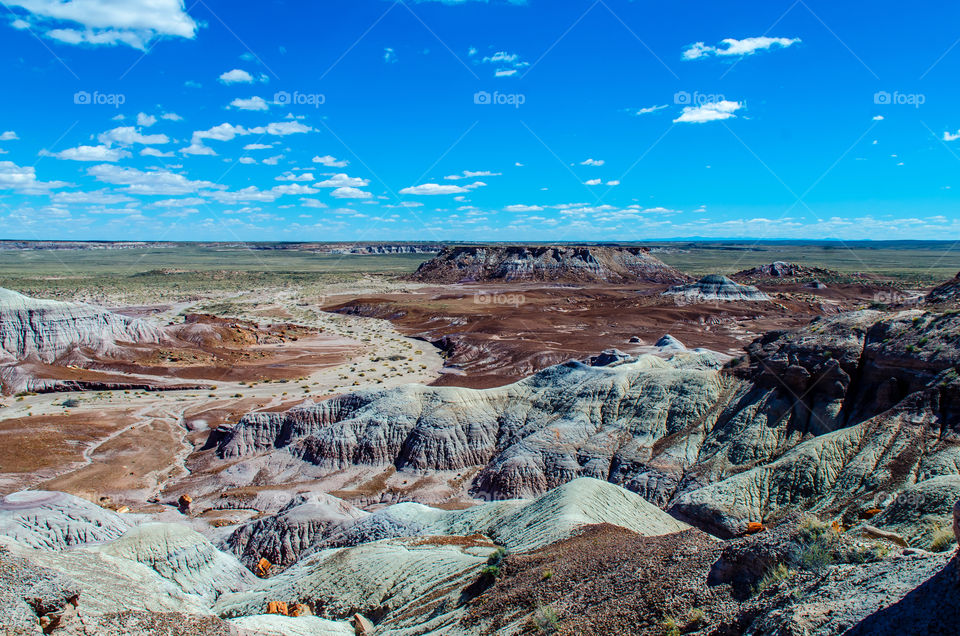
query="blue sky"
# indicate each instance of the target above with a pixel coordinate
(472, 120)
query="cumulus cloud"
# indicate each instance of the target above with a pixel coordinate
(8, 136)
(251, 103)
(520, 208)
(89, 153)
(145, 120)
(236, 76)
(347, 192)
(730, 47)
(105, 22)
(949, 136)
(331, 161)
(257, 146)
(150, 181)
(294, 188)
(99, 197)
(128, 136)
(343, 181)
(430, 189)
(23, 179)
(592, 162)
(471, 174)
(592, 182)
(153, 152)
(711, 111)
(290, 176)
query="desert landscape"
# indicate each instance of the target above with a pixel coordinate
(476, 439)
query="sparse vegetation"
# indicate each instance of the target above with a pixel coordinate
(942, 540)
(778, 573)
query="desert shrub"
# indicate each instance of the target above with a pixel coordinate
(70, 403)
(545, 620)
(942, 540)
(670, 627)
(816, 557)
(776, 574)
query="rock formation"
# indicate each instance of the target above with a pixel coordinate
(948, 292)
(715, 288)
(48, 329)
(822, 418)
(56, 520)
(301, 524)
(564, 263)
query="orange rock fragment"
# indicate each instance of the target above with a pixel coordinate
(277, 607)
(754, 527)
(263, 567)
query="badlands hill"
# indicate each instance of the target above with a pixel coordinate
(715, 288)
(48, 329)
(561, 264)
(822, 418)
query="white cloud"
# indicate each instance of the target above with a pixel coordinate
(614, 182)
(99, 197)
(89, 153)
(948, 136)
(878, 118)
(282, 129)
(350, 193)
(257, 146)
(523, 208)
(593, 182)
(343, 181)
(711, 111)
(250, 193)
(108, 22)
(471, 174)
(508, 63)
(153, 152)
(128, 135)
(389, 55)
(220, 132)
(592, 162)
(197, 148)
(149, 182)
(236, 76)
(290, 176)
(171, 117)
(733, 47)
(145, 120)
(23, 179)
(178, 203)
(312, 203)
(430, 189)
(252, 103)
(272, 161)
(330, 161)
(247, 160)
(8, 136)
(294, 188)
(650, 109)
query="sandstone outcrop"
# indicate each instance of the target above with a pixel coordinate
(561, 263)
